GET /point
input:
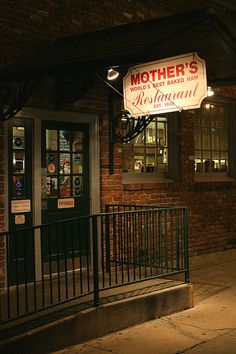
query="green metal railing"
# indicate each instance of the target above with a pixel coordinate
(55, 263)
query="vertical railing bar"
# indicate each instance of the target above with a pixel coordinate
(87, 252)
(42, 266)
(177, 237)
(145, 241)
(128, 244)
(115, 246)
(171, 239)
(25, 271)
(152, 242)
(186, 256)
(80, 256)
(95, 261)
(7, 235)
(65, 259)
(161, 250)
(121, 258)
(157, 242)
(133, 244)
(140, 244)
(34, 270)
(50, 263)
(182, 236)
(102, 250)
(17, 278)
(108, 247)
(107, 237)
(166, 241)
(73, 257)
(124, 239)
(58, 263)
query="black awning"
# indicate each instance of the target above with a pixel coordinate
(201, 31)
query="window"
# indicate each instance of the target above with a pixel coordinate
(153, 154)
(148, 152)
(64, 163)
(211, 138)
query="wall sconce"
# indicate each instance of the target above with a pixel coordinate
(112, 74)
(210, 92)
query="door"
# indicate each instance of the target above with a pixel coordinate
(20, 242)
(65, 189)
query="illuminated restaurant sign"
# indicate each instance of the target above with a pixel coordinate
(165, 85)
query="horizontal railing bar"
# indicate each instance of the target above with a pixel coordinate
(3, 233)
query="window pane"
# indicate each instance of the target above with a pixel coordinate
(64, 140)
(51, 139)
(139, 163)
(77, 143)
(148, 152)
(18, 162)
(52, 187)
(65, 186)
(206, 144)
(77, 163)
(65, 164)
(18, 186)
(77, 186)
(223, 140)
(18, 137)
(198, 138)
(52, 165)
(213, 141)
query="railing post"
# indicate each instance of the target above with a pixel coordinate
(107, 238)
(186, 256)
(95, 261)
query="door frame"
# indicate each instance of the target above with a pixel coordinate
(37, 116)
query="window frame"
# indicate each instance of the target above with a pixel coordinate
(173, 157)
(229, 175)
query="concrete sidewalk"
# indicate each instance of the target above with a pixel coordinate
(209, 327)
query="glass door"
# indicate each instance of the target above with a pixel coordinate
(65, 184)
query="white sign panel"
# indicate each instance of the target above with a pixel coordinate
(65, 203)
(20, 206)
(19, 219)
(166, 85)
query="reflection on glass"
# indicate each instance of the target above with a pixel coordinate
(18, 186)
(51, 162)
(223, 140)
(138, 163)
(77, 186)
(64, 136)
(18, 137)
(215, 139)
(65, 187)
(77, 163)
(51, 139)
(77, 143)
(65, 164)
(206, 138)
(18, 162)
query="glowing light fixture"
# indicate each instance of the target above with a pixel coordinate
(112, 74)
(210, 92)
